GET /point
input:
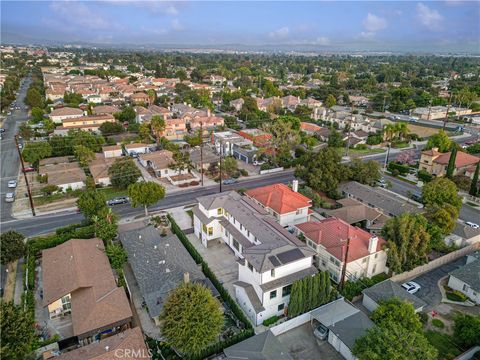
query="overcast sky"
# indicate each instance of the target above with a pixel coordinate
(390, 25)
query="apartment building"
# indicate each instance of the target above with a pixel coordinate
(270, 258)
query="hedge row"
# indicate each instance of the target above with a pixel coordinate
(248, 332)
(402, 169)
(355, 288)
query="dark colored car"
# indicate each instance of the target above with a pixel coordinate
(118, 200)
(416, 197)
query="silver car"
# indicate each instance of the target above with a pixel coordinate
(321, 332)
(12, 184)
(9, 197)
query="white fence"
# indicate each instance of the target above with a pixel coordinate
(291, 324)
(269, 171)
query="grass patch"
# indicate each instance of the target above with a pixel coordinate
(43, 200)
(438, 323)
(360, 152)
(111, 192)
(472, 204)
(443, 343)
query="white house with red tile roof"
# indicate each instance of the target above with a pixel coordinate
(436, 163)
(328, 238)
(287, 206)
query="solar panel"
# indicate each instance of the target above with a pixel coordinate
(290, 255)
(274, 261)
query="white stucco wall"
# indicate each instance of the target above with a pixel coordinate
(457, 284)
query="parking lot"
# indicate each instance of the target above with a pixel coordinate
(303, 345)
(429, 292)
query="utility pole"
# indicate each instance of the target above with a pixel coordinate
(349, 132)
(448, 110)
(384, 99)
(25, 175)
(344, 268)
(201, 151)
(386, 157)
(221, 148)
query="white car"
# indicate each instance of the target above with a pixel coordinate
(411, 287)
(9, 197)
(472, 225)
(12, 184)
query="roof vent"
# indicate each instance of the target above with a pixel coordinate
(155, 247)
(167, 270)
(107, 348)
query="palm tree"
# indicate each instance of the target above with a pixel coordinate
(401, 130)
(158, 126)
(388, 132)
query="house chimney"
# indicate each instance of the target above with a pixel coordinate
(186, 278)
(295, 185)
(372, 245)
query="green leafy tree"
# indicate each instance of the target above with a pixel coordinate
(441, 191)
(157, 124)
(322, 171)
(49, 189)
(36, 151)
(85, 138)
(13, 246)
(145, 132)
(84, 155)
(195, 139)
(181, 162)
(335, 139)
(192, 318)
(408, 241)
(393, 342)
(396, 311)
(34, 98)
(443, 216)
(146, 194)
(365, 172)
(123, 172)
(17, 331)
(440, 141)
(466, 330)
(117, 256)
(91, 203)
(107, 230)
(474, 185)
(111, 128)
(451, 163)
(285, 135)
(126, 115)
(330, 101)
(229, 166)
(37, 114)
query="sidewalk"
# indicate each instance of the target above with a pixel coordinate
(17, 299)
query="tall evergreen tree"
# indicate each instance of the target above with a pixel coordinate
(451, 163)
(473, 187)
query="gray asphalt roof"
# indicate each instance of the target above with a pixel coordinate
(264, 346)
(333, 312)
(469, 274)
(158, 264)
(388, 289)
(252, 295)
(351, 328)
(289, 279)
(273, 238)
(388, 201)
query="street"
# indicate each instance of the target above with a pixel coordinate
(10, 161)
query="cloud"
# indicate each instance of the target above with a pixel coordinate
(366, 35)
(154, 7)
(373, 23)
(281, 33)
(77, 13)
(430, 18)
(322, 40)
(177, 26)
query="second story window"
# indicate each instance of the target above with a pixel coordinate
(272, 273)
(273, 294)
(250, 266)
(286, 290)
(219, 211)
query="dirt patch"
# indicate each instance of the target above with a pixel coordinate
(10, 283)
(422, 131)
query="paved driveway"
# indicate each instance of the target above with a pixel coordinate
(302, 345)
(430, 292)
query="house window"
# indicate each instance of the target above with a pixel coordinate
(465, 287)
(273, 294)
(286, 290)
(376, 255)
(66, 303)
(281, 306)
(298, 212)
(204, 228)
(210, 231)
(236, 245)
(272, 273)
(374, 268)
(219, 211)
(250, 267)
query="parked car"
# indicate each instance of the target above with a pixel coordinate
(9, 197)
(20, 146)
(416, 197)
(118, 200)
(29, 169)
(12, 184)
(382, 183)
(2, 130)
(321, 332)
(229, 181)
(411, 287)
(472, 224)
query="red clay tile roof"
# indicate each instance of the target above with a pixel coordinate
(79, 267)
(305, 126)
(332, 233)
(461, 160)
(280, 198)
(431, 152)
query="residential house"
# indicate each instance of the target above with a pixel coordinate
(270, 258)
(290, 102)
(438, 112)
(86, 123)
(159, 162)
(259, 137)
(286, 205)
(159, 265)
(104, 110)
(356, 213)
(94, 99)
(237, 104)
(139, 98)
(206, 157)
(224, 142)
(136, 148)
(330, 239)
(467, 278)
(63, 113)
(264, 346)
(112, 151)
(435, 163)
(77, 279)
(127, 345)
(386, 290)
(62, 173)
(310, 129)
(385, 201)
(99, 169)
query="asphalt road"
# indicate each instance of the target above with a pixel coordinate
(44, 224)
(9, 159)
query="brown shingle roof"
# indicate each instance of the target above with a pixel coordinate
(65, 111)
(80, 267)
(461, 160)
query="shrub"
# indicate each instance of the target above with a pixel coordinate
(438, 323)
(423, 318)
(361, 147)
(243, 172)
(456, 295)
(270, 320)
(354, 288)
(395, 172)
(402, 169)
(424, 176)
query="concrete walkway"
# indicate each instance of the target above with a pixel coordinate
(17, 298)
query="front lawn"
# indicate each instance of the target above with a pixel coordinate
(360, 152)
(111, 192)
(444, 343)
